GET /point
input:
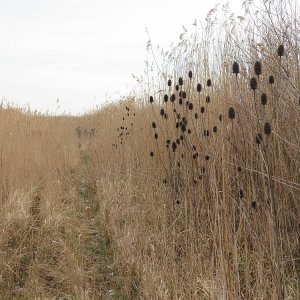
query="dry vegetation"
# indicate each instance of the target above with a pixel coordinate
(190, 190)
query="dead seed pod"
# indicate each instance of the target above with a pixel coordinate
(235, 68)
(183, 128)
(271, 79)
(202, 109)
(263, 99)
(258, 139)
(180, 81)
(166, 98)
(169, 82)
(191, 106)
(231, 113)
(199, 87)
(156, 135)
(162, 112)
(267, 128)
(257, 68)
(151, 99)
(241, 194)
(177, 87)
(207, 99)
(151, 153)
(173, 98)
(208, 83)
(153, 125)
(174, 146)
(190, 74)
(253, 83)
(280, 50)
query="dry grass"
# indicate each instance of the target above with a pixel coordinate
(156, 205)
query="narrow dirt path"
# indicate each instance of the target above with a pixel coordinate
(94, 242)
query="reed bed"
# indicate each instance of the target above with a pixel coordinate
(195, 177)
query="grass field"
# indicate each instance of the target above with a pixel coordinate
(188, 190)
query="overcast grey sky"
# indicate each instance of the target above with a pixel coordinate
(82, 50)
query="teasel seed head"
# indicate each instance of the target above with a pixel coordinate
(207, 157)
(239, 169)
(258, 139)
(183, 128)
(196, 115)
(189, 131)
(235, 68)
(153, 125)
(151, 99)
(190, 74)
(173, 98)
(199, 87)
(151, 153)
(220, 117)
(177, 87)
(231, 113)
(267, 128)
(280, 50)
(264, 99)
(257, 68)
(166, 116)
(183, 94)
(168, 142)
(195, 155)
(207, 99)
(181, 137)
(253, 204)
(156, 135)
(180, 101)
(178, 141)
(215, 129)
(271, 79)
(208, 83)
(169, 82)
(253, 83)
(202, 109)
(180, 81)
(241, 193)
(174, 146)
(191, 106)
(162, 112)
(166, 98)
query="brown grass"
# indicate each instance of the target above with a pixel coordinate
(214, 213)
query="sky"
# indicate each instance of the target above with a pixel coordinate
(68, 56)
